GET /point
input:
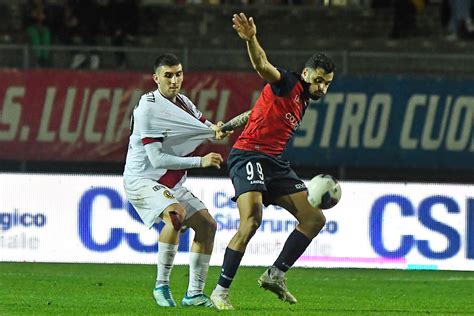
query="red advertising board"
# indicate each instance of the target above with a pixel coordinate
(84, 116)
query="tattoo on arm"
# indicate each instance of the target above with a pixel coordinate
(236, 122)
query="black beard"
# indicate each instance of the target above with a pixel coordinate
(314, 97)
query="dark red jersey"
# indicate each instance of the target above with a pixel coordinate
(276, 115)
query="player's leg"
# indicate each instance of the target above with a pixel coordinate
(167, 244)
(167, 249)
(204, 227)
(250, 210)
(310, 219)
(248, 177)
(310, 222)
(153, 203)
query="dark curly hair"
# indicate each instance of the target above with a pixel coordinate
(320, 60)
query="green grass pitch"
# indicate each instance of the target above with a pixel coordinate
(93, 289)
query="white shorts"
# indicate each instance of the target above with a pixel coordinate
(150, 199)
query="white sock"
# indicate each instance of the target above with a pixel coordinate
(275, 272)
(166, 254)
(220, 289)
(198, 267)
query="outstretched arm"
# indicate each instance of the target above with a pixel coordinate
(236, 122)
(247, 30)
(162, 160)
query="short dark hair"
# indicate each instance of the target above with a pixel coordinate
(166, 60)
(320, 60)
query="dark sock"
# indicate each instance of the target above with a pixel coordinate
(231, 263)
(294, 247)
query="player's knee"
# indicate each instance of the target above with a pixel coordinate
(253, 225)
(249, 227)
(313, 224)
(206, 230)
(317, 223)
(320, 221)
(211, 227)
(181, 212)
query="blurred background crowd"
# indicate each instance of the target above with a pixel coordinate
(387, 25)
(428, 38)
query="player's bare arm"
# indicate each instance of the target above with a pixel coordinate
(247, 30)
(236, 122)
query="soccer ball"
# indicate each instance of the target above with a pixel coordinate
(324, 191)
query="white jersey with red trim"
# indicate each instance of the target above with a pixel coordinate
(180, 127)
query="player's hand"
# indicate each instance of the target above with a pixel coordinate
(217, 129)
(211, 160)
(245, 28)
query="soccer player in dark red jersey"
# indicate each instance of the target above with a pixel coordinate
(258, 172)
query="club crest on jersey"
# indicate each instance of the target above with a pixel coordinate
(167, 194)
(297, 99)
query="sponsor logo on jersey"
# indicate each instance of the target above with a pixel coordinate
(158, 187)
(293, 120)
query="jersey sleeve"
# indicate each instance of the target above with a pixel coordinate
(162, 160)
(286, 83)
(147, 120)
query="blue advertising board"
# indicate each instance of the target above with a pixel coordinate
(394, 122)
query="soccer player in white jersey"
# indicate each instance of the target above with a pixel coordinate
(166, 127)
